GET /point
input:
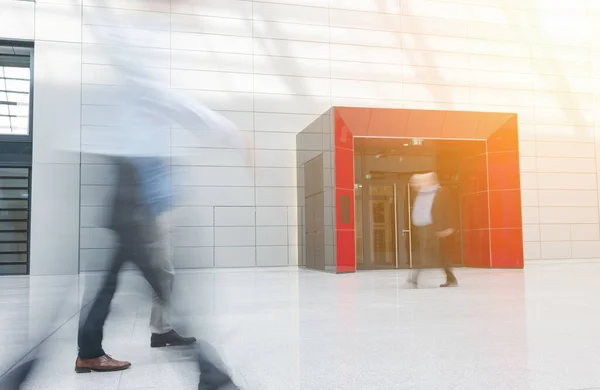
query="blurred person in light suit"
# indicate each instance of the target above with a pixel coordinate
(431, 224)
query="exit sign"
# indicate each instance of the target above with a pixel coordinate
(417, 141)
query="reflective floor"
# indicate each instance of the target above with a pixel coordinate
(289, 329)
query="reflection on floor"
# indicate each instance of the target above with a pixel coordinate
(289, 329)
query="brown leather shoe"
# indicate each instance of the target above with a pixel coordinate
(102, 364)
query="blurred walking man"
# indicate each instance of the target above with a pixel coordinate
(139, 145)
(137, 141)
(430, 225)
(140, 213)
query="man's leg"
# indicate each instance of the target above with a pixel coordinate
(160, 247)
(162, 261)
(91, 356)
(449, 274)
(213, 374)
(420, 253)
(450, 278)
(414, 276)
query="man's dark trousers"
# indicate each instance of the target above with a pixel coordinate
(428, 252)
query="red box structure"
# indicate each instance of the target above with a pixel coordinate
(489, 181)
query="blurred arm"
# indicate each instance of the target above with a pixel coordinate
(157, 99)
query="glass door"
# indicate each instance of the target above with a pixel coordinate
(358, 222)
(383, 237)
(406, 254)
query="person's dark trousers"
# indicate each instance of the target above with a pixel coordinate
(128, 221)
(428, 252)
(91, 324)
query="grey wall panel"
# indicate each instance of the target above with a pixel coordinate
(240, 256)
(193, 257)
(272, 256)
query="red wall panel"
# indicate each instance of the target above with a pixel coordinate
(505, 197)
(506, 209)
(507, 248)
(476, 248)
(345, 251)
(344, 197)
(344, 168)
(475, 209)
(503, 170)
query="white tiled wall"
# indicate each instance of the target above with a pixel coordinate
(272, 66)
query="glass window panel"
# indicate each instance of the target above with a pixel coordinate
(14, 88)
(13, 172)
(19, 98)
(10, 226)
(16, 73)
(13, 204)
(20, 130)
(19, 110)
(13, 269)
(12, 183)
(13, 257)
(13, 247)
(7, 193)
(17, 85)
(22, 51)
(19, 122)
(12, 236)
(13, 214)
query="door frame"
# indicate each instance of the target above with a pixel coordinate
(363, 187)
